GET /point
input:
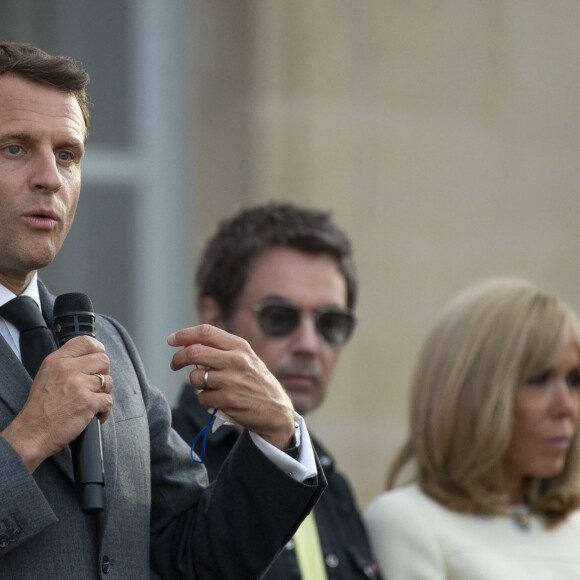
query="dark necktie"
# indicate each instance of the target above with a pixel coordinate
(36, 340)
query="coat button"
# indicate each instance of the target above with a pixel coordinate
(331, 560)
(4, 540)
(371, 570)
(106, 565)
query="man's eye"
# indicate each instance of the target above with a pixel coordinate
(13, 149)
(64, 155)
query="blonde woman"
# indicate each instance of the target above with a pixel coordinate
(493, 445)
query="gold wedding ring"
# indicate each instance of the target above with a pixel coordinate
(103, 382)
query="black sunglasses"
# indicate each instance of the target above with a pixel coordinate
(334, 325)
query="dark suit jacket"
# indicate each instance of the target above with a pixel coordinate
(158, 507)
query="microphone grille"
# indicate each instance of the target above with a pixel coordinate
(73, 316)
(72, 302)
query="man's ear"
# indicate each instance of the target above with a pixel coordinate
(210, 312)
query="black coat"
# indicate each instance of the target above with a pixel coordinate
(342, 534)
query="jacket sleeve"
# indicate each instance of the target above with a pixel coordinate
(24, 510)
(230, 530)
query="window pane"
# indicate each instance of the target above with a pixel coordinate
(99, 36)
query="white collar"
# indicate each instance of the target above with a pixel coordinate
(31, 290)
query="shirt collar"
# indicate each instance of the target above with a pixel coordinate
(31, 290)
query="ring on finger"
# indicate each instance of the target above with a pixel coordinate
(205, 375)
(103, 386)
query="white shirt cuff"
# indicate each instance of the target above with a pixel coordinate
(298, 469)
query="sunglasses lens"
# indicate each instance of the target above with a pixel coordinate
(276, 320)
(335, 327)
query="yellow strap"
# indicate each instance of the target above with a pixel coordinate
(308, 550)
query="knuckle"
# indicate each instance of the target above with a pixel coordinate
(105, 405)
(103, 359)
(64, 366)
(230, 399)
(84, 340)
(206, 330)
(239, 360)
(244, 345)
(89, 343)
(193, 351)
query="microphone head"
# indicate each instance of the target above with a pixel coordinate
(73, 316)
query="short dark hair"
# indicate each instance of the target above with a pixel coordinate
(60, 72)
(222, 271)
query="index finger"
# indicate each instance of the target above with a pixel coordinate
(80, 346)
(206, 334)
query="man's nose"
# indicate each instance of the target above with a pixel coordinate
(46, 176)
(306, 336)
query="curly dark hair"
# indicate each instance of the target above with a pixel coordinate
(60, 72)
(222, 270)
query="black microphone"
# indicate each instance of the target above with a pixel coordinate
(74, 316)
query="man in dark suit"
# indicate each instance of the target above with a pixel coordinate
(282, 277)
(158, 510)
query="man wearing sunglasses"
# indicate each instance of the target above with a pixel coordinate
(282, 278)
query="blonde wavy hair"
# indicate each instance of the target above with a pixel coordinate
(489, 339)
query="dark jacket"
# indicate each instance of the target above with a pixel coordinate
(343, 537)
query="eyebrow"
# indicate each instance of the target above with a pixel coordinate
(17, 136)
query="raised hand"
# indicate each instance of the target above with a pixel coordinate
(238, 382)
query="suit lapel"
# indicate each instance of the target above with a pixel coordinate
(16, 381)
